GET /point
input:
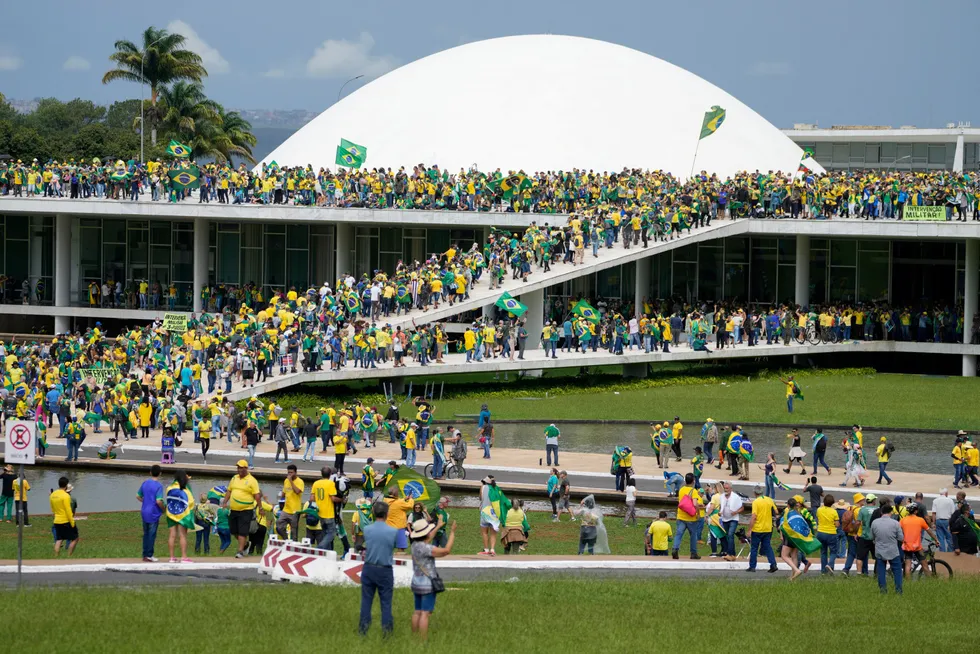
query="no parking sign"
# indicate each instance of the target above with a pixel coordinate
(21, 435)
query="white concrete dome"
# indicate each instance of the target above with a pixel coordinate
(538, 103)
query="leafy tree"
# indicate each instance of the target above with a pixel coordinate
(160, 60)
(122, 115)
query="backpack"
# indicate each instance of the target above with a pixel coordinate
(849, 523)
(459, 450)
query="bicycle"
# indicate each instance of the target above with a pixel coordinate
(938, 569)
(808, 334)
(453, 470)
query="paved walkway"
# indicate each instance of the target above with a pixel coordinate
(524, 468)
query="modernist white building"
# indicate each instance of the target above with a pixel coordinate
(643, 113)
(67, 245)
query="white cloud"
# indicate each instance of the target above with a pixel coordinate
(770, 69)
(75, 62)
(339, 58)
(211, 58)
(275, 73)
(9, 62)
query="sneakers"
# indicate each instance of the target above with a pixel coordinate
(186, 560)
(483, 553)
(240, 555)
(173, 560)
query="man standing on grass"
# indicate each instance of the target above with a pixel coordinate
(551, 436)
(377, 575)
(64, 518)
(241, 499)
(888, 537)
(150, 496)
(760, 525)
(690, 503)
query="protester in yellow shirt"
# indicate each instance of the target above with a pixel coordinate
(760, 526)
(65, 530)
(659, 535)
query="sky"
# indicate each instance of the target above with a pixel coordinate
(855, 62)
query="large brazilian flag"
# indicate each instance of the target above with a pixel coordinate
(413, 485)
(797, 530)
(180, 505)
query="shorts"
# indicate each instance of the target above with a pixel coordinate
(485, 523)
(658, 552)
(65, 532)
(563, 503)
(917, 554)
(248, 374)
(401, 540)
(239, 522)
(864, 547)
(425, 602)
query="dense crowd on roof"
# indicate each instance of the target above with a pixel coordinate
(871, 193)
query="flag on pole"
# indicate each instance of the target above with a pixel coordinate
(586, 310)
(350, 154)
(178, 150)
(413, 485)
(713, 118)
(185, 178)
(510, 305)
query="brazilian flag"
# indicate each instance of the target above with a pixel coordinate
(180, 506)
(411, 484)
(119, 175)
(353, 303)
(797, 530)
(185, 178)
(368, 423)
(509, 185)
(350, 154)
(404, 297)
(216, 494)
(510, 305)
(178, 150)
(586, 310)
(745, 450)
(713, 118)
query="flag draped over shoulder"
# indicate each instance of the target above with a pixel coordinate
(585, 310)
(178, 150)
(185, 178)
(745, 450)
(496, 513)
(180, 505)
(350, 154)
(510, 305)
(411, 484)
(797, 530)
(217, 493)
(713, 118)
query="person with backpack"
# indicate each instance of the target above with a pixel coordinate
(690, 504)
(851, 527)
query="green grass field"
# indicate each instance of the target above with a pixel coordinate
(556, 615)
(832, 397)
(119, 535)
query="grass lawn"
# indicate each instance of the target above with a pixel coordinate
(537, 616)
(119, 535)
(883, 400)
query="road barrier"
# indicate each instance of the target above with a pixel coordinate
(285, 560)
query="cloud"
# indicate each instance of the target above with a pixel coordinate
(274, 73)
(75, 62)
(770, 69)
(212, 59)
(341, 58)
(9, 62)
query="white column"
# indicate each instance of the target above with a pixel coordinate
(345, 243)
(62, 269)
(958, 155)
(534, 317)
(970, 288)
(642, 289)
(202, 250)
(802, 270)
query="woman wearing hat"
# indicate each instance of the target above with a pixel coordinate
(425, 579)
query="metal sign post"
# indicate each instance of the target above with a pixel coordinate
(21, 443)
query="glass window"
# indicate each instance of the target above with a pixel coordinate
(464, 238)
(297, 236)
(786, 284)
(842, 153)
(736, 281)
(228, 227)
(90, 252)
(114, 257)
(275, 228)
(322, 253)
(139, 248)
(824, 153)
(872, 275)
(903, 153)
(763, 269)
(871, 153)
(160, 255)
(737, 249)
(843, 253)
(437, 240)
(857, 153)
(686, 253)
(628, 288)
(608, 282)
(842, 283)
(275, 260)
(685, 281)
(937, 154)
(920, 152)
(252, 235)
(887, 152)
(17, 227)
(183, 256)
(711, 270)
(874, 246)
(298, 269)
(787, 250)
(391, 240)
(228, 258)
(818, 275)
(160, 233)
(819, 243)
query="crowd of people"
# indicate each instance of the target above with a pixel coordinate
(869, 194)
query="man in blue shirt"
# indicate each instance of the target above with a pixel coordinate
(150, 496)
(378, 575)
(53, 399)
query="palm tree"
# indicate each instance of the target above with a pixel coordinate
(236, 139)
(161, 60)
(186, 112)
